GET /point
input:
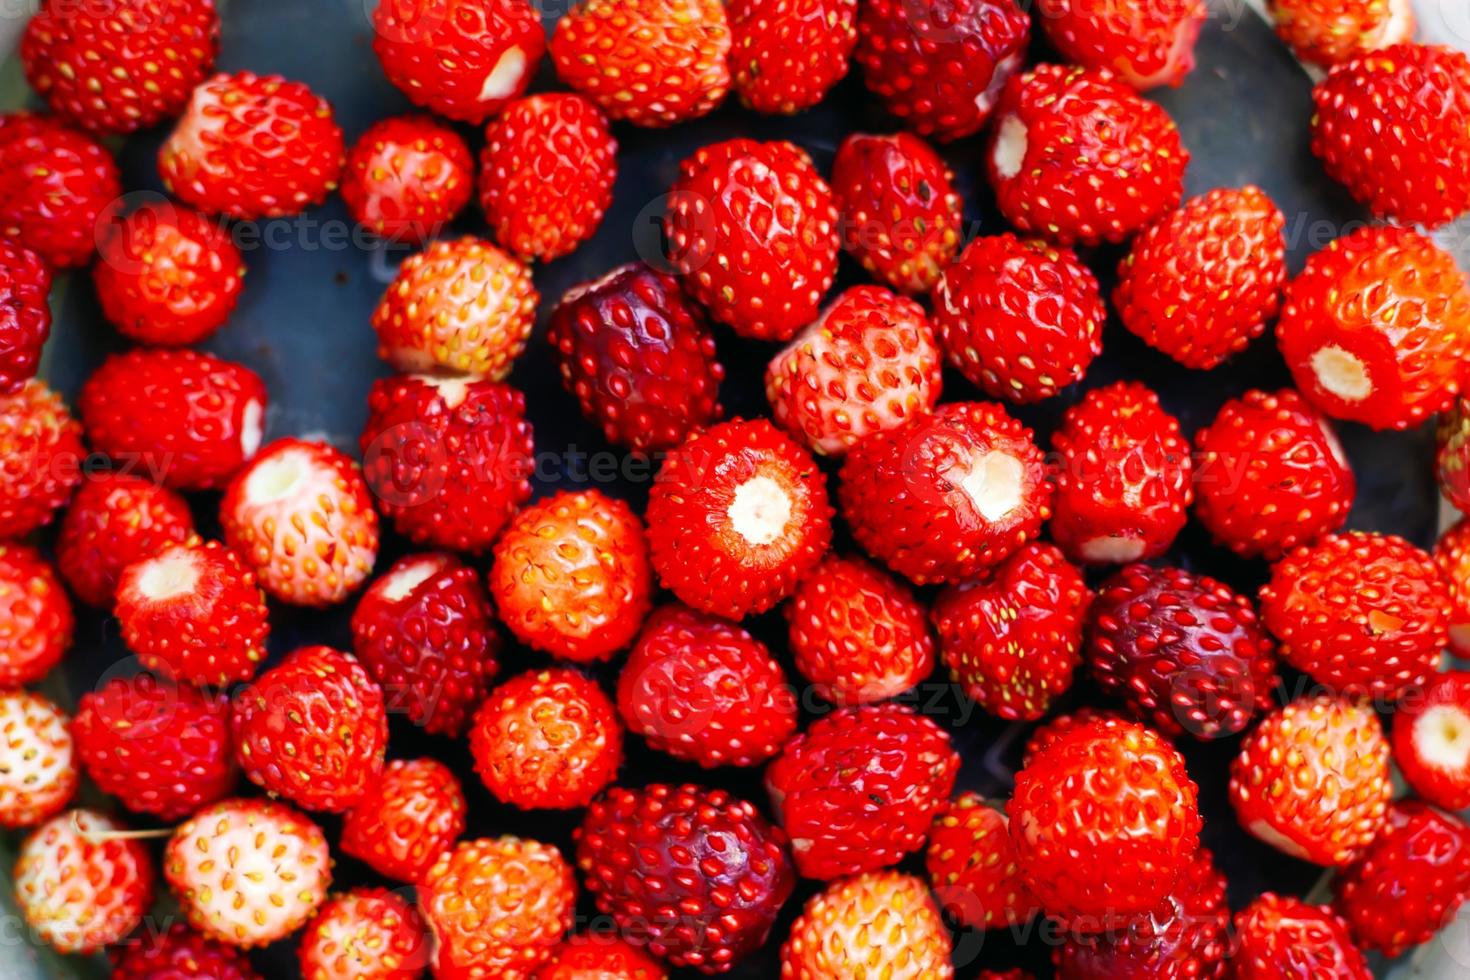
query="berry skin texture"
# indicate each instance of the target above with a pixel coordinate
(302, 516)
(1271, 475)
(248, 872)
(868, 362)
(972, 866)
(364, 934)
(1375, 327)
(694, 875)
(1201, 282)
(1283, 938)
(1020, 319)
(705, 690)
(115, 520)
(1452, 454)
(1312, 780)
(1431, 741)
(786, 56)
(1147, 42)
(424, 631)
(312, 729)
(752, 232)
(180, 953)
(25, 314)
(880, 924)
(36, 619)
(407, 177)
(638, 356)
(600, 956)
(1184, 652)
(859, 788)
(1077, 156)
(41, 456)
(410, 815)
(737, 515)
(1048, 733)
(546, 174)
(57, 186)
(1393, 126)
(1012, 639)
(40, 773)
(1329, 32)
(548, 739)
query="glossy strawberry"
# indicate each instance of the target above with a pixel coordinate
(113, 521)
(882, 924)
(39, 777)
(179, 953)
(365, 934)
(57, 185)
(41, 456)
(1452, 454)
(600, 956)
(786, 56)
(1281, 938)
(25, 313)
(972, 866)
(36, 620)
(1452, 555)
(410, 815)
(1328, 32)
(1431, 740)
(1147, 42)
(407, 177)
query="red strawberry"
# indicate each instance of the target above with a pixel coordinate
(1365, 614)
(25, 314)
(1452, 556)
(1328, 32)
(1047, 734)
(1122, 475)
(694, 874)
(1393, 126)
(461, 306)
(365, 934)
(787, 55)
(859, 788)
(424, 631)
(1278, 938)
(546, 174)
(1021, 319)
(1431, 740)
(868, 362)
(651, 62)
(705, 690)
(1271, 475)
(881, 924)
(180, 953)
(447, 458)
(972, 866)
(638, 356)
(1312, 780)
(900, 214)
(600, 956)
(58, 184)
(937, 65)
(167, 275)
(1452, 455)
(36, 621)
(1183, 652)
(407, 177)
(40, 772)
(1147, 42)
(119, 65)
(253, 146)
(1200, 283)
(752, 231)
(1077, 156)
(410, 815)
(547, 739)
(312, 729)
(41, 456)
(858, 634)
(113, 521)
(1105, 823)
(160, 748)
(737, 515)
(179, 417)
(464, 59)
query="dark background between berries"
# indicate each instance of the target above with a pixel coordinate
(303, 324)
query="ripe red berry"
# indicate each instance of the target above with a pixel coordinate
(409, 816)
(407, 178)
(880, 924)
(115, 520)
(36, 620)
(41, 456)
(972, 866)
(365, 934)
(1329, 32)
(1452, 454)
(180, 953)
(40, 773)
(1147, 42)
(1051, 731)
(1452, 556)
(786, 56)
(600, 956)
(1282, 938)
(58, 184)
(1431, 740)
(25, 314)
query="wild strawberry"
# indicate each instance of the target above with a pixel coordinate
(193, 611)
(972, 865)
(600, 956)
(695, 875)
(1271, 475)
(497, 907)
(1393, 126)
(365, 934)
(410, 815)
(179, 953)
(1312, 780)
(1431, 740)
(115, 520)
(57, 185)
(301, 515)
(786, 56)
(1054, 729)
(546, 174)
(80, 883)
(39, 776)
(548, 739)
(737, 515)
(179, 417)
(119, 65)
(1011, 640)
(703, 689)
(248, 872)
(752, 231)
(167, 275)
(1365, 614)
(36, 620)
(41, 456)
(880, 924)
(571, 575)
(859, 788)
(1282, 938)
(651, 62)
(856, 633)
(1077, 156)
(1452, 454)
(460, 306)
(25, 314)
(1200, 283)
(1329, 32)
(899, 211)
(868, 362)
(158, 747)
(407, 177)
(1122, 476)
(1184, 652)
(638, 356)
(1147, 42)
(1021, 319)
(1105, 823)
(424, 631)
(1374, 327)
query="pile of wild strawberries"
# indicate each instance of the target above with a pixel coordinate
(1101, 835)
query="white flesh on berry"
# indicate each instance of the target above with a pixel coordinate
(503, 79)
(760, 510)
(1264, 831)
(985, 101)
(399, 584)
(1010, 147)
(1114, 549)
(170, 575)
(280, 477)
(1442, 738)
(252, 428)
(995, 485)
(452, 390)
(1341, 373)
(1399, 27)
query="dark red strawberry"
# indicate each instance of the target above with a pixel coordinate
(972, 866)
(178, 954)
(1147, 42)
(786, 55)
(407, 177)
(114, 520)
(36, 619)
(409, 816)
(25, 313)
(1281, 938)
(1328, 32)
(1431, 740)
(56, 186)
(41, 445)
